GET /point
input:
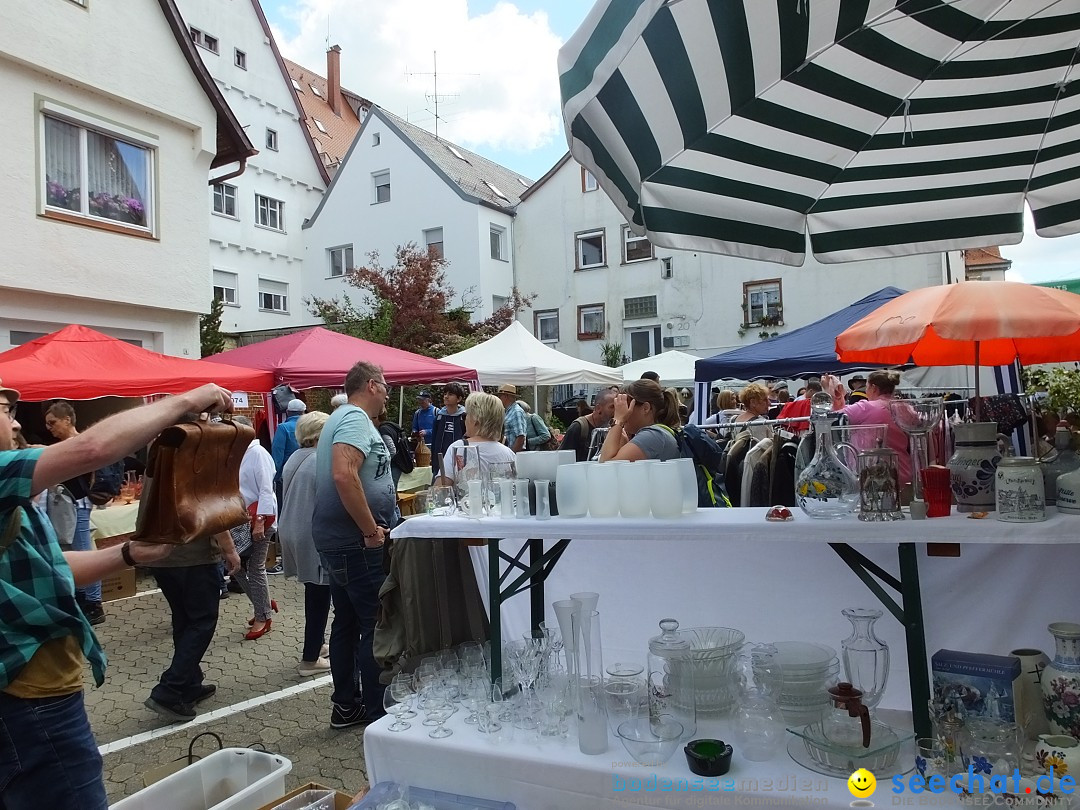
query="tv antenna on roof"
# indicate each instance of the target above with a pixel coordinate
(435, 97)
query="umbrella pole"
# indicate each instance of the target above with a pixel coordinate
(978, 393)
(401, 406)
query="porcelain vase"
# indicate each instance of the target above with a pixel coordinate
(1061, 680)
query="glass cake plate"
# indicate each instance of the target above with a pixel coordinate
(810, 749)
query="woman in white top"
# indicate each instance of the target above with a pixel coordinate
(484, 415)
(755, 402)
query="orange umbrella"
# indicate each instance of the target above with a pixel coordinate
(971, 323)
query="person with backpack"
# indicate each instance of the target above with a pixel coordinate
(401, 457)
(537, 433)
(646, 418)
(449, 425)
(579, 432)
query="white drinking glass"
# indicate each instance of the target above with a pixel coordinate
(506, 497)
(543, 497)
(665, 489)
(572, 490)
(521, 497)
(687, 483)
(634, 498)
(604, 489)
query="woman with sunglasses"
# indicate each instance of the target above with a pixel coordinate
(646, 418)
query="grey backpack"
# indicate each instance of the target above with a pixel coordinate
(60, 507)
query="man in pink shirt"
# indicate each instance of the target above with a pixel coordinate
(874, 410)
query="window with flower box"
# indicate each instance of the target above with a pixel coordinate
(763, 303)
(591, 322)
(96, 174)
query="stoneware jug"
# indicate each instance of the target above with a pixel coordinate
(973, 466)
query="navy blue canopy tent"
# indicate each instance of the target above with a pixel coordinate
(809, 350)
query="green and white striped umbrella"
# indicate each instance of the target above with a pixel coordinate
(878, 127)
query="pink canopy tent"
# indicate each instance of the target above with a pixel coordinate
(80, 363)
(319, 358)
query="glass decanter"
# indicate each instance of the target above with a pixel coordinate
(865, 656)
(826, 488)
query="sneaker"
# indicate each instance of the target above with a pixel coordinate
(325, 651)
(93, 612)
(177, 712)
(356, 716)
(204, 692)
(306, 668)
(224, 594)
(277, 569)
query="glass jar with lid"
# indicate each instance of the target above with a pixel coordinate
(671, 679)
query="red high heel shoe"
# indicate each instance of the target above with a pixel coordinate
(254, 634)
(273, 607)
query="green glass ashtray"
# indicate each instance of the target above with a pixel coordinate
(708, 757)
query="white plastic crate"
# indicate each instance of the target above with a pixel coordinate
(229, 779)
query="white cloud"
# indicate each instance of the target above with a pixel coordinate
(498, 68)
(1037, 259)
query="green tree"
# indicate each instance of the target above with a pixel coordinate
(211, 339)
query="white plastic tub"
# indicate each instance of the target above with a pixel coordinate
(229, 779)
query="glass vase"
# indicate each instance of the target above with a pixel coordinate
(865, 656)
(590, 701)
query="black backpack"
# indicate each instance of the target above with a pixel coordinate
(403, 457)
(698, 446)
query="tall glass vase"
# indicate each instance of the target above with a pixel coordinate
(866, 657)
(589, 698)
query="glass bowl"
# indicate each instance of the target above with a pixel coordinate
(839, 760)
(650, 742)
(713, 642)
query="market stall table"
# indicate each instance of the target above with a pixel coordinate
(729, 541)
(113, 524)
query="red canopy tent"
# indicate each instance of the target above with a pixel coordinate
(319, 358)
(79, 363)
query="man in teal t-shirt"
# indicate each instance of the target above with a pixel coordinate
(354, 510)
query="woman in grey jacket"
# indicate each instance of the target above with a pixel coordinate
(299, 557)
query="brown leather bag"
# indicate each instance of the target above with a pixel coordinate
(193, 482)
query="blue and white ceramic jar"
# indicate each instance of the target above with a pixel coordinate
(973, 466)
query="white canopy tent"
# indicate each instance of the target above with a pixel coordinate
(673, 367)
(515, 356)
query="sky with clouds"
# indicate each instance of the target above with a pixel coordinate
(497, 80)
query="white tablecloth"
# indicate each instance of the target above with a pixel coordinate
(554, 775)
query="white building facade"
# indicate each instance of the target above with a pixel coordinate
(106, 173)
(256, 253)
(399, 184)
(597, 283)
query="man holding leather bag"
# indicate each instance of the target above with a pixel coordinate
(52, 759)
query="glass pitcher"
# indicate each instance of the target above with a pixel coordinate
(847, 724)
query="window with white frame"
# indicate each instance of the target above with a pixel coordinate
(239, 58)
(591, 322)
(273, 295)
(269, 213)
(96, 173)
(635, 248)
(588, 180)
(271, 139)
(763, 303)
(642, 306)
(341, 260)
(546, 325)
(225, 200)
(590, 249)
(498, 242)
(225, 288)
(380, 184)
(433, 238)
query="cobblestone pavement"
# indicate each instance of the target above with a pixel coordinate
(138, 640)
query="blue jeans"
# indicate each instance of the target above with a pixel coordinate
(82, 542)
(194, 596)
(48, 757)
(356, 575)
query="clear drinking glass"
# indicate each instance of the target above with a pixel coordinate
(404, 686)
(439, 711)
(397, 708)
(441, 501)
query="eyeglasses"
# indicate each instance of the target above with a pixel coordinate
(9, 408)
(383, 384)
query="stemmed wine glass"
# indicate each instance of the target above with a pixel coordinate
(525, 658)
(438, 711)
(395, 701)
(405, 685)
(917, 417)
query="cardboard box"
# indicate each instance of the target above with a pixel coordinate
(342, 801)
(118, 585)
(980, 685)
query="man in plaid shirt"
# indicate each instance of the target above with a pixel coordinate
(48, 756)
